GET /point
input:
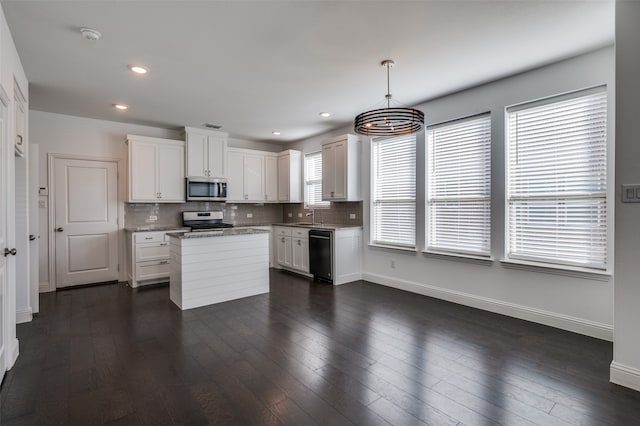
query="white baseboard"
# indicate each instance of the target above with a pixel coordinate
(24, 316)
(564, 322)
(624, 375)
(45, 287)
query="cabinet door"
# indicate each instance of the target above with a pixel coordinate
(143, 171)
(254, 177)
(281, 250)
(340, 170)
(328, 178)
(270, 178)
(235, 176)
(300, 254)
(283, 178)
(216, 155)
(171, 179)
(196, 155)
(288, 261)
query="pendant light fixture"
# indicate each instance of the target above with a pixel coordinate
(389, 121)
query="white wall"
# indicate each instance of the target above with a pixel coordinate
(574, 303)
(625, 368)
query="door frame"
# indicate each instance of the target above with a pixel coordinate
(51, 157)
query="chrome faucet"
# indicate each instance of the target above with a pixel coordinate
(312, 213)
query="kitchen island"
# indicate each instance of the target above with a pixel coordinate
(217, 266)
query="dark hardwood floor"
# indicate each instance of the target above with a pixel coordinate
(305, 354)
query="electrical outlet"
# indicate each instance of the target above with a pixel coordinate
(249, 215)
(393, 264)
(299, 214)
(153, 217)
(352, 215)
(289, 214)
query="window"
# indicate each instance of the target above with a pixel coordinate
(459, 186)
(393, 187)
(313, 181)
(557, 180)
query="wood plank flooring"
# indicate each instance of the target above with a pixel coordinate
(307, 353)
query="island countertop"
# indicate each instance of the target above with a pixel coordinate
(216, 233)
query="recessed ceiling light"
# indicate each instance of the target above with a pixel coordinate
(276, 133)
(120, 107)
(139, 69)
(90, 34)
(325, 114)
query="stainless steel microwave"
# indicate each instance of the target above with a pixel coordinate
(206, 189)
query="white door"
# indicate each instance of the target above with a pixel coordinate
(86, 221)
(4, 190)
(253, 177)
(171, 181)
(34, 227)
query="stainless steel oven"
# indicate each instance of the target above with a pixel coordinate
(206, 189)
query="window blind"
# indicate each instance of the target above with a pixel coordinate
(557, 181)
(313, 180)
(393, 166)
(459, 186)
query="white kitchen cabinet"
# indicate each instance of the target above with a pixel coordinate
(341, 169)
(245, 178)
(290, 176)
(156, 170)
(206, 152)
(148, 257)
(292, 247)
(271, 178)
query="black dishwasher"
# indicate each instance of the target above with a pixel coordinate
(320, 254)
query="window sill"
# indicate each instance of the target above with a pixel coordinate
(462, 257)
(550, 268)
(400, 248)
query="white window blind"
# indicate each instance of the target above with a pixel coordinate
(393, 171)
(459, 186)
(313, 181)
(557, 181)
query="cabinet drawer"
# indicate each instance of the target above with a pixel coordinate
(283, 232)
(152, 251)
(152, 270)
(300, 233)
(148, 237)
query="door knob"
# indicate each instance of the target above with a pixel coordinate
(59, 229)
(32, 237)
(8, 252)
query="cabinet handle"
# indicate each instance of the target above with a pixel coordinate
(159, 194)
(163, 244)
(18, 139)
(299, 242)
(148, 238)
(283, 239)
(164, 262)
(246, 197)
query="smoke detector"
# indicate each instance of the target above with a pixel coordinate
(90, 34)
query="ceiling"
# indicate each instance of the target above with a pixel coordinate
(255, 67)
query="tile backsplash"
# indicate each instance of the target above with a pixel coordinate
(338, 213)
(139, 214)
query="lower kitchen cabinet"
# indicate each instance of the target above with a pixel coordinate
(147, 257)
(292, 248)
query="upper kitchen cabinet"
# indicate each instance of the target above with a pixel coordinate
(245, 177)
(271, 178)
(290, 176)
(206, 152)
(341, 169)
(156, 170)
